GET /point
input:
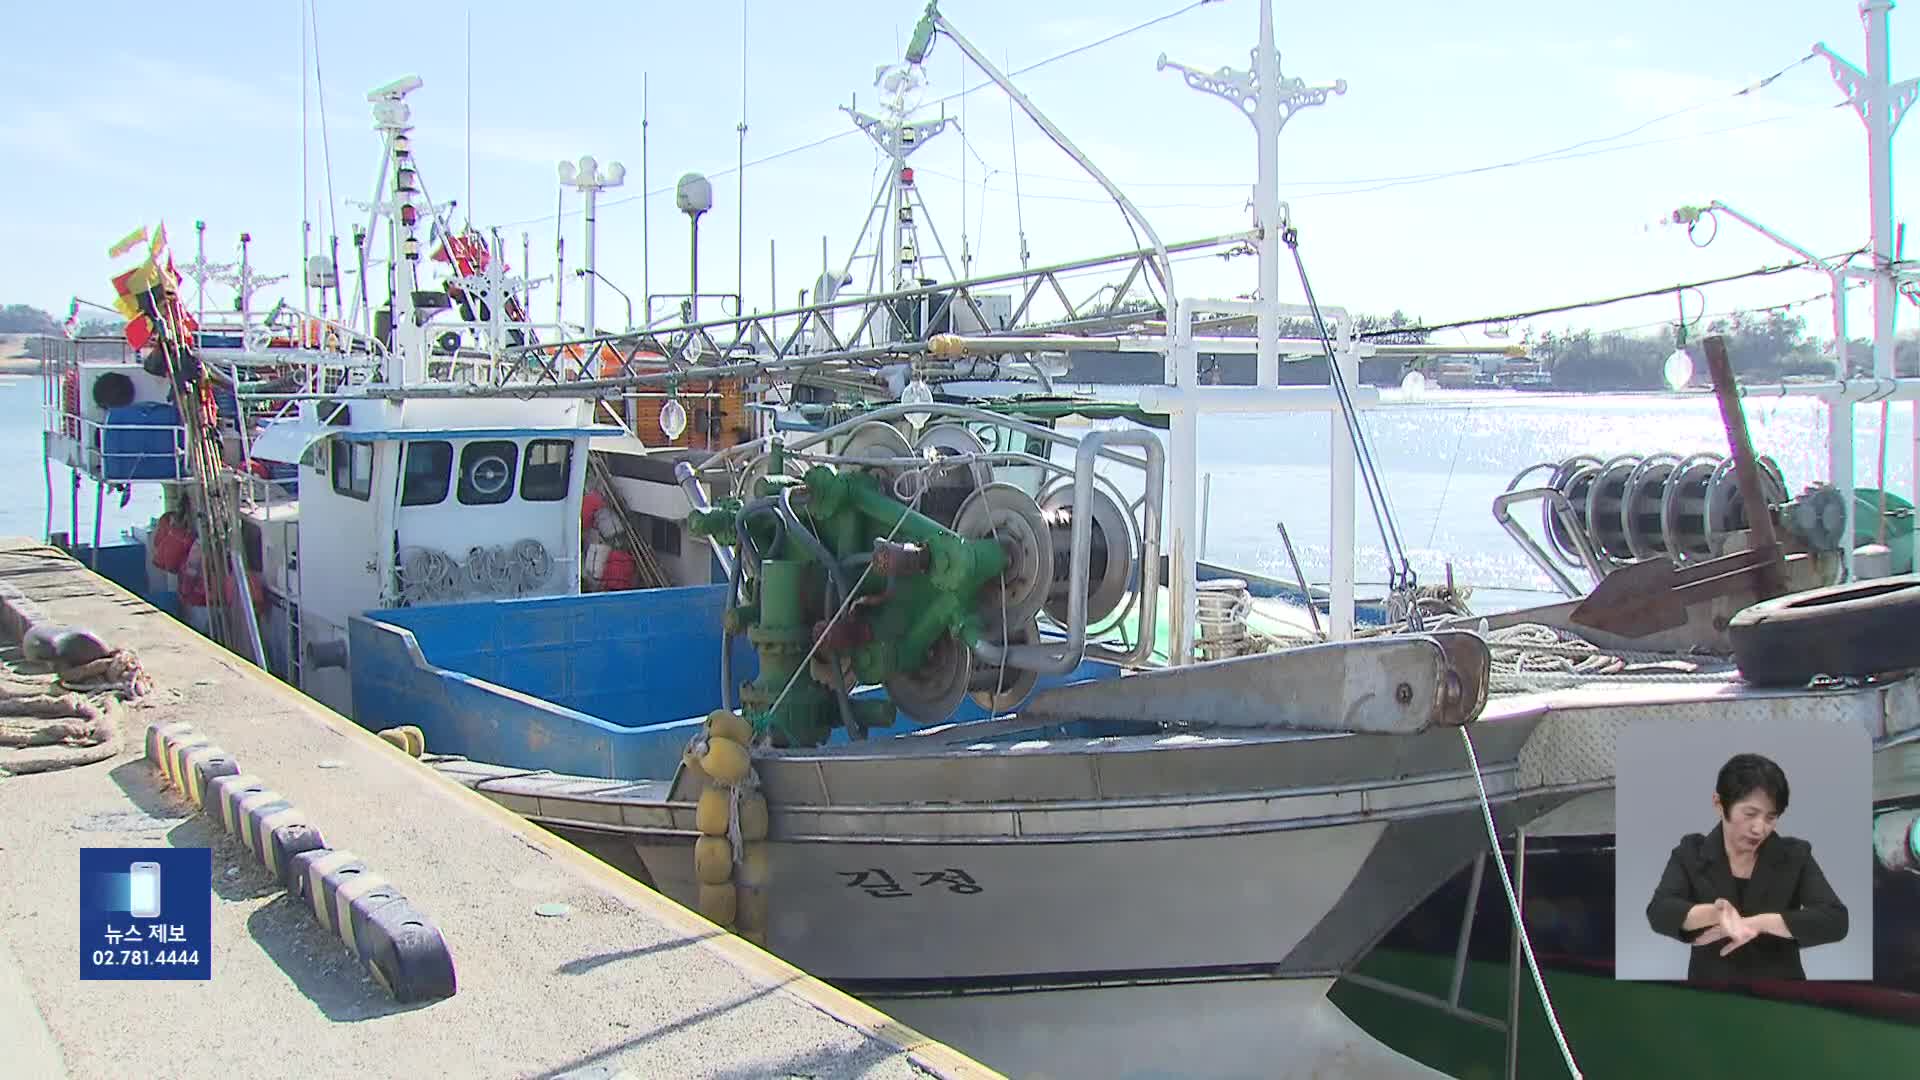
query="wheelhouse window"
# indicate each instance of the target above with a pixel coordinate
(427, 469)
(353, 470)
(548, 471)
(486, 472)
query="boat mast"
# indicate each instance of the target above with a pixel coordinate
(1881, 105)
(392, 119)
(897, 136)
(1269, 101)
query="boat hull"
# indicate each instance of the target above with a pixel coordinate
(1301, 902)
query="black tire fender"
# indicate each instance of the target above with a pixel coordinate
(1857, 629)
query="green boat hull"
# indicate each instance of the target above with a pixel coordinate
(1626, 1030)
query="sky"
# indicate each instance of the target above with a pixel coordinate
(199, 115)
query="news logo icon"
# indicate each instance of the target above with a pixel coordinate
(146, 913)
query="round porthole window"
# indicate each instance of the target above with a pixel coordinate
(489, 475)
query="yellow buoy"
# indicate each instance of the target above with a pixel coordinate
(755, 869)
(711, 815)
(725, 761)
(718, 903)
(398, 738)
(712, 860)
(728, 724)
(416, 740)
(750, 911)
(753, 816)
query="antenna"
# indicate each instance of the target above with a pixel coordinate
(646, 252)
(740, 170)
(469, 116)
(395, 90)
(306, 171)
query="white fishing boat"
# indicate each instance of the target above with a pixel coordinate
(1213, 843)
(967, 727)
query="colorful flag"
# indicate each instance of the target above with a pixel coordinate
(127, 243)
(72, 325)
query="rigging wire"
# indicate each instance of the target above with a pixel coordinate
(1400, 577)
(1765, 271)
(1542, 156)
(837, 136)
(326, 143)
(1019, 217)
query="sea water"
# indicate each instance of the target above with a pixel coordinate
(1443, 458)
(26, 483)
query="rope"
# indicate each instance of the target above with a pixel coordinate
(43, 729)
(428, 574)
(1513, 905)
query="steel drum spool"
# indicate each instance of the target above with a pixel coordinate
(931, 692)
(1110, 556)
(880, 440)
(1655, 505)
(950, 485)
(1005, 513)
(997, 689)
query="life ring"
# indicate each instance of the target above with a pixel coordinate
(1854, 630)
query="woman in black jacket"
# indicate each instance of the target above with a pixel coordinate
(1744, 897)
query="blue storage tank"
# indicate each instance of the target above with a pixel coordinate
(138, 442)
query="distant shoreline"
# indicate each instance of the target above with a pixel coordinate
(19, 365)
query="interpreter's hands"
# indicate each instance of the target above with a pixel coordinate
(1738, 932)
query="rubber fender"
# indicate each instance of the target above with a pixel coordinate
(309, 867)
(713, 860)
(402, 949)
(725, 761)
(206, 766)
(394, 736)
(717, 903)
(192, 762)
(711, 814)
(174, 750)
(750, 911)
(260, 813)
(755, 868)
(416, 739)
(1855, 629)
(753, 816)
(158, 738)
(228, 791)
(285, 842)
(727, 724)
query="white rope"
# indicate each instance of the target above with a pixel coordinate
(1513, 905)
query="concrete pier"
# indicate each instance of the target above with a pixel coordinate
(566, 968)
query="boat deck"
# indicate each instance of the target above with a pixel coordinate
(620, 982)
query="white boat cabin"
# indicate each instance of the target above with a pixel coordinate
(402, 504)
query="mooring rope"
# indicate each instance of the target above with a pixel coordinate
(1513, 905)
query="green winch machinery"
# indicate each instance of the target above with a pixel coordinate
(903, 564)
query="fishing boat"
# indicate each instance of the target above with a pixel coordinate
(1244, 827)
(928, 694)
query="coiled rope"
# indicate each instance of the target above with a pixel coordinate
(428, 575)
